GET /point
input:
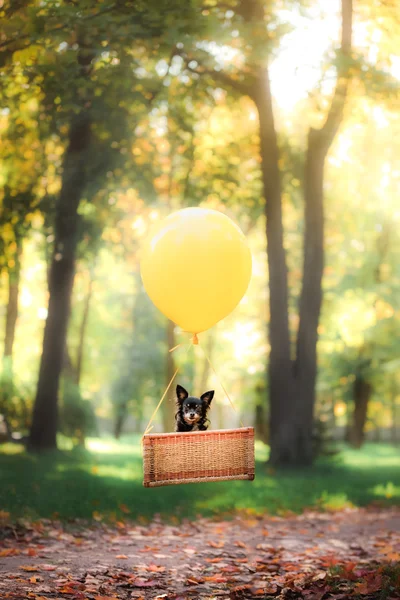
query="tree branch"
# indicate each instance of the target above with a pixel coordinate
(219, 76)
(335, 113)
(228, 81)
(25, 36)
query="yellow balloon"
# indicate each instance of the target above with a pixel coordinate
(196, 267)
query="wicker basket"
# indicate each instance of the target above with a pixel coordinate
(220, 455)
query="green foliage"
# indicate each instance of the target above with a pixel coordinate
(323, 442)
(15, 400)
(77, 484)
(77, 418)
(141, 372)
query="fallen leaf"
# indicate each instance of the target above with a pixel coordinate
(216, 579)
(372, 585)
(143, 583)
(149, 549)
(9, 552)
(122, 556)
(393, 556)
(239, 591)
(361, 589)
(260, 591)
(155, 569)
(47, 568)
(319, 576)
(230, 569)
(30, 569)
(192, 581)
(220, 544)
(214, 560)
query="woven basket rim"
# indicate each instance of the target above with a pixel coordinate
(165, 482)
(198, 433)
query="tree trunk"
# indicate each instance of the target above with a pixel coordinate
(291, 400)
(68, 366)
(393, 407)
(44, 424)
(362, 391)
(168, 406)
(83, 328)
(305, 368)
(119, 422)
(14, 274)
(261, 428)
(7, 379)
(292, 385)
(280, 365)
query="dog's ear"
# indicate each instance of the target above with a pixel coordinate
(181, 393)
(208, 396)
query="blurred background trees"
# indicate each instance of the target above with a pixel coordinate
(285, 116)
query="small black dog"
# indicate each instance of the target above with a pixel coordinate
(192, 411)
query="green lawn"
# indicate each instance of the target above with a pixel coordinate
(108, 476)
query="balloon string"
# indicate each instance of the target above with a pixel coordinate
(220, 383)
(175, 348)
(149, 426)
(193, 342)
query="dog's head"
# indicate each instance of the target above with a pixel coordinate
(193, 409)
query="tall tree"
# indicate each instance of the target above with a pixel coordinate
(362, 388)
(292, 384)
(21, 160)
(305, 368)
(62, 269)
(14, 276)
(83, 326)
(87, 48)
(291, 378)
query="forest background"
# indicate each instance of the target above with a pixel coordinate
(285, 116)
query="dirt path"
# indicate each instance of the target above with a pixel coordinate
(313, 556)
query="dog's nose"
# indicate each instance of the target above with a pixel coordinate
(192, 415)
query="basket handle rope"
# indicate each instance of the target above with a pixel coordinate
(193, 342)
(220, 382)
(149, 424)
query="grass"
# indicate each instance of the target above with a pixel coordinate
(106, 482)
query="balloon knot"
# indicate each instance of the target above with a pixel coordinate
(195, 339)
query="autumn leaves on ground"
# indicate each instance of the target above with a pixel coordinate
(315, 556)
(109, 540)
